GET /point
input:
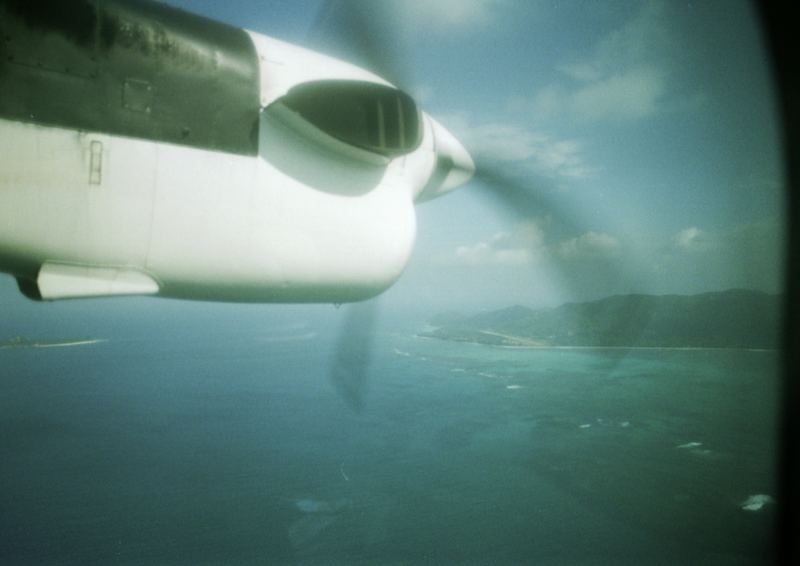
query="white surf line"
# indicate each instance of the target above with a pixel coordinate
(523, 343)
(290, 338)
(341, 471)
(67, 344)
(756, 502)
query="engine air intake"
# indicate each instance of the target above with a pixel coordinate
(370, 116)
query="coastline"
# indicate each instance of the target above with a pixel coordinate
(523, 346)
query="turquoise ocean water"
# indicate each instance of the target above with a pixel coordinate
(196, 449)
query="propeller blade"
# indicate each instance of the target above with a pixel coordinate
(530, 198)
(360, 32)
(350, 369)
(524, 196)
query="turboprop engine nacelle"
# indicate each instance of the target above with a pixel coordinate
(145, 150)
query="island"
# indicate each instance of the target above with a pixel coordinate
(736, 318)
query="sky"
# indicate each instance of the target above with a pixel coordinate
(651, 124)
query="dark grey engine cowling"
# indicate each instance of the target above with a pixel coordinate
(133, 68)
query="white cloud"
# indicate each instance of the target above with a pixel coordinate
(526, 245)
(511, 143)
(645, 37)
(410, 18)
(750, 255)
(625, 76)
(447, 15)
(484, 254)
(588, 245)
(690, 239)
(522, 246)
(631, 94)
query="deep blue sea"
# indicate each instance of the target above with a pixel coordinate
(206, 446)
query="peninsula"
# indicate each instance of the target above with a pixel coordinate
(737, 318)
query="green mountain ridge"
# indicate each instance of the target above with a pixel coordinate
(736, 318)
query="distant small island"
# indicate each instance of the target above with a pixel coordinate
(736, 319)
(24, 342)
